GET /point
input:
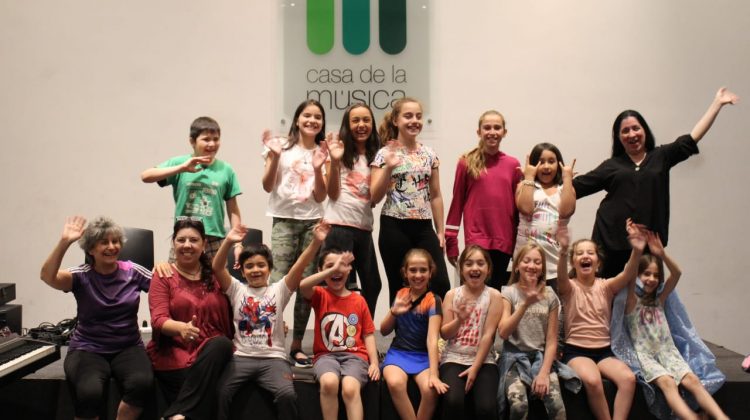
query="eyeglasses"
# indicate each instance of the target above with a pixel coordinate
(191, 218)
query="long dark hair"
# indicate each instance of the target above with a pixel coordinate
(645, 261)
(536, 153)
(293, 137)
(617, 148)
(207, 273)
(350, 148)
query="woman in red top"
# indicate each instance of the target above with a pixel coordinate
(191, 327)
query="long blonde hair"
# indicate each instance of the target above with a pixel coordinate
(474, 159)
(387, 130)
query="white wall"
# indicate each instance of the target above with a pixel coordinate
(95, 92)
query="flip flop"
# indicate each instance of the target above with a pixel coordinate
(301, 362)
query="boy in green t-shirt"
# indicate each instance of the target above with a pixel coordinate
(201, 183)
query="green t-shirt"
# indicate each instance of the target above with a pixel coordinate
(203, 193)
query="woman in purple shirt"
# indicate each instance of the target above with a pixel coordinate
(106, 342)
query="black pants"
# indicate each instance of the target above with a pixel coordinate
(614, 262)
(481, 394)
(192, 391)
(359, 242)
(88, 373)
(397, 237)
(500, 274)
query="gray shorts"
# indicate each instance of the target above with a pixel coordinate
(342, 364)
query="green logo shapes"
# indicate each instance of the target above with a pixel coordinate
(392, 26)
(319, 26)
(356, 26)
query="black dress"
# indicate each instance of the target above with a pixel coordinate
(640, 192)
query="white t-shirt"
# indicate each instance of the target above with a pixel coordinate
(352, 207)
(258, 316)
(292, 196)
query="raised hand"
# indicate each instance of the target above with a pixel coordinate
(567, 171)
(321, 230)
(529, 171)
(533, 295)
(462, 309)
(723, 96)
(194, 164)
(401, 305)
(636, 235)
(237, 233)
(654, 244)
(343, 263)
(73, 228)
(320, 155)
(335, 146)
(390, 155)
(563, 236)
(272, 142)
(190, 332)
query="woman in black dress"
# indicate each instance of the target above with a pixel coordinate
(636, 179)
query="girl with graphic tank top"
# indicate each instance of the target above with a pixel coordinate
(545, 199)
(467, 363)
(294, 174)
(588, 311)
(349, 210)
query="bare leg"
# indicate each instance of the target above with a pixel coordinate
(429, 396)
(352, 399)
(589, 373)
(705, 400)
(619, 373)
(668, 386)
(126, 411)
(329, 396)
(396, 380)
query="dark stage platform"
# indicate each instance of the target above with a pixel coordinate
(44, 395)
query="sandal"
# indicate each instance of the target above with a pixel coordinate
(301, 362)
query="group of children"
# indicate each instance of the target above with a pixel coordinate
(355, 169)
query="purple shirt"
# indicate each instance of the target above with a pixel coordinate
(108, 307)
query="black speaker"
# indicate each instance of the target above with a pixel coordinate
(10, 316)
(7, 292)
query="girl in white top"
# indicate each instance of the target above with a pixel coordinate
(467, 363)
(545, 199)
(294, 175)
(349, 210)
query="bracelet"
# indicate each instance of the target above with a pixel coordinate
(238, 244)
(528, 183)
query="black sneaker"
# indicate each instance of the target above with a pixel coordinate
(300, 362)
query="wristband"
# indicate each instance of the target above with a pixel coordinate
(528, 183)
